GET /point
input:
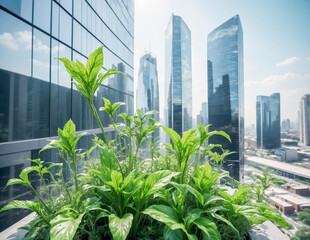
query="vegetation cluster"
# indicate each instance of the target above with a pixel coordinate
(174, 194)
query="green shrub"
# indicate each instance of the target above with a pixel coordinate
(122, 195)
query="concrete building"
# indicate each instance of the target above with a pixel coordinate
(268, 121)
(281, 205)
(299, 203)
(304, 120)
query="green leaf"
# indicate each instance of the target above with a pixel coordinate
(14, 181)
(218, 217)
(221, 133)
(191, 216)
(64, 226)
(172, 234)
(23, 204)
(209, 228)
(120, 227)
(103, 213)
(94, 64)
(156, 181)
(24, 173)
(174, 136)
(165, 215)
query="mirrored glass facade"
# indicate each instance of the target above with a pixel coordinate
(178, 76)
(36, 93)
(226, 91)
(268, 129)
(147, 94)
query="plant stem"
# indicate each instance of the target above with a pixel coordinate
(95, 113)
(40, 199)
(45, 187)
(56, 184)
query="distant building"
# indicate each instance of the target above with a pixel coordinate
(202, 117)
(268, 121)
(281, 205)
(178, 76)
(304, 120)
(147, 93)
(286, 124)
(226, 91)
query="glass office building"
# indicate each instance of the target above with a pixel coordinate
(268, 124)
(226, 91)
(147, 93)
(304, 120)
(178, 76)
(36, 93)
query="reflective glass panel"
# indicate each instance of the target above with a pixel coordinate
(41, 55)
(22, 8)
(42, 14)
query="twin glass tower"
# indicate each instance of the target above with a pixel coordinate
(225, 85)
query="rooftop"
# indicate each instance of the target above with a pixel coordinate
(285, 167)
(295, 199)
(280, 202)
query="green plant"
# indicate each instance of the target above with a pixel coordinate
(88, 79)
(265, 182)
(121, 195)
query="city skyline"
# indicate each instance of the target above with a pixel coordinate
(272, 62)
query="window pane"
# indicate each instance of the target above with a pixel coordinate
(42, 14)
(22, 8)
(67, 4)
(55, 21)
(60, 88)
(41, 55)
(65, 27)
(15, 44)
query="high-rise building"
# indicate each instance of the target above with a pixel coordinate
(304, 120)
(178, 76)
(147, 93)
(286, 124)
(268, 123)
(36, 93)
(226, 91)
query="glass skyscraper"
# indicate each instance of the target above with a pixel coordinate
(226, 91)
(304, 120)
(178, 76)
(36, 93)
(147, 94)
(268, 128)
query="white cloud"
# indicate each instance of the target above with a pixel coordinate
(277, 78)
(223, 32)
(39, 46)
(8, 40)
(286, 62)
(17, 40)
(308, 59)
(251, 83)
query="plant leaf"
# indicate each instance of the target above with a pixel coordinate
(94, 64)
(209, 228)
(23, 204)
(120, 227)
(64, 226)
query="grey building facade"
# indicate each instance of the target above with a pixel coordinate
(36, 93)
(304, 120)
(268, 123)
(178, 76)
(226, 91)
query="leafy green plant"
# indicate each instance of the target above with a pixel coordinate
(88, 79)
(124, 195)
(266, 181)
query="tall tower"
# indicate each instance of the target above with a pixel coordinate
(147, 93)
(178, 76)
(268, 122)
(304, 120)
(226, 91)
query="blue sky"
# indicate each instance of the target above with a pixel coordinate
(276, 36)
